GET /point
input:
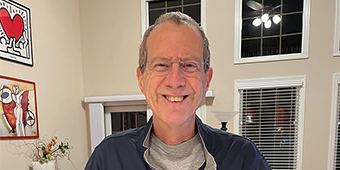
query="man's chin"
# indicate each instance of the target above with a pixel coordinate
(175, 117)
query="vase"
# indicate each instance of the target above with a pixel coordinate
(50, 165)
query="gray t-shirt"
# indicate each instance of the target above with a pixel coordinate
(185, 156)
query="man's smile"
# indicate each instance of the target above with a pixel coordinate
(175, 99)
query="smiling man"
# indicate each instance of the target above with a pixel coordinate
(174, 75)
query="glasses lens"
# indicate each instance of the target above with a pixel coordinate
(190, 67)
(161, 66)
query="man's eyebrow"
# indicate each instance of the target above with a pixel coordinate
(190, 58)
(159, 58)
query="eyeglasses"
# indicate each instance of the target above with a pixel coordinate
(163, 66)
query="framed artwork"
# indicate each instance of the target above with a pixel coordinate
(336, 51)
(15, 33)
(18, 109)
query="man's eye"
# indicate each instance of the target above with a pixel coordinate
(190, 65)
(161, 65)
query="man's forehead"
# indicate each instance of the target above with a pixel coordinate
(171, 40)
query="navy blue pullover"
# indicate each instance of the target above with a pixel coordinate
(125, 150)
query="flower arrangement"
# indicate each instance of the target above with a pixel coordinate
(50, 150)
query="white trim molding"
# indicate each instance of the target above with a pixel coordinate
(238, 37)
(336, 51)
(269, 82)
(333, 124)
(144, 16)
(97, 106)
(97, 132)
(296, 81)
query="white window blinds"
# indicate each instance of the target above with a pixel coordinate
(337, 148)
(269, 117)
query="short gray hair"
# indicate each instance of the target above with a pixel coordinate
(178, 18)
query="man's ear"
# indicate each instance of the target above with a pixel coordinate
(140, 79)
(208, 77)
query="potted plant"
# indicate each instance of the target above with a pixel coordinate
(45, 154)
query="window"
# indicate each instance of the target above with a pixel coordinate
(122, 117)
(271, 115)
(152, 9)
(190, 7)
(267, 30)
(126, 120)
(334, 147)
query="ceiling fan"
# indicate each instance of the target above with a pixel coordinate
(266, 12)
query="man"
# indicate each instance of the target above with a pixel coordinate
(174, 75)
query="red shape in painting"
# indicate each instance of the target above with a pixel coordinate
(8, 109)
(13, 28)
(9, 113)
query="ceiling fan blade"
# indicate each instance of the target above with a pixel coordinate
(275, 7)
(254, 5)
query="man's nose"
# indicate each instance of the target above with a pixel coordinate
(175, 77)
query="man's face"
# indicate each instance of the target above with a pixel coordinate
(174, 95)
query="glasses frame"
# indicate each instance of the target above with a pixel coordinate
(164, 66)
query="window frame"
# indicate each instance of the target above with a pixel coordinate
(274, 82)
(336, 51)
(238, 37)
(333, 125)
(145, 15)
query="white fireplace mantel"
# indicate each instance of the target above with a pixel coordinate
(98, 103)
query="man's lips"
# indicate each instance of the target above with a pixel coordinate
(176, 98)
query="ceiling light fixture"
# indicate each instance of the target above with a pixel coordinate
(268, 24)
(257, 22)
(265, 18)
(276, 19)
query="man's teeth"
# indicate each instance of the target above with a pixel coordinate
(175, 99)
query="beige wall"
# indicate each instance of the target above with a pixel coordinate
(105, 40)
(110, 32)
(58, 75)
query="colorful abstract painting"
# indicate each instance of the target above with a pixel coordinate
(18, 109)
(15, 33)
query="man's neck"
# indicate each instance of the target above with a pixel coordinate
(174, 134)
